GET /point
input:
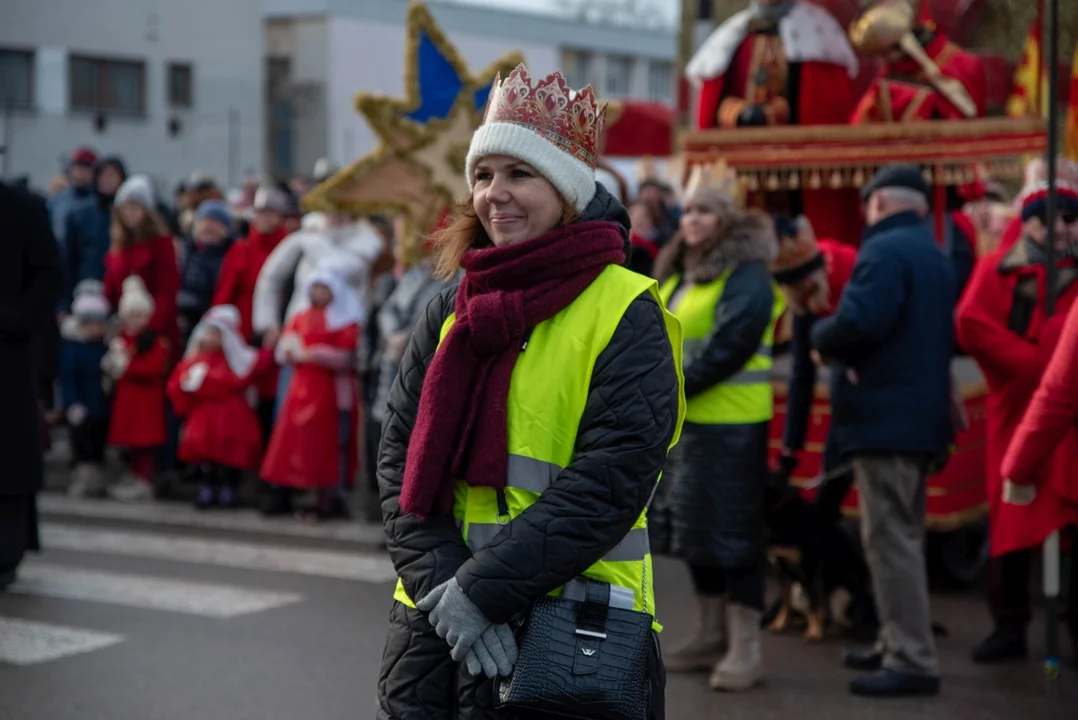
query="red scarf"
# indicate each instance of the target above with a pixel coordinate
(461, 429)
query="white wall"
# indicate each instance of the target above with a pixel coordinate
(222, 40)
(369, 56)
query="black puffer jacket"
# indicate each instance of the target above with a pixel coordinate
(709, 507)
(627, 425)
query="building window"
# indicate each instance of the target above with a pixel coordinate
(577, 66)
(16, 79)
(619, 75)
(180, 85)
(660, 81)
(104, 84)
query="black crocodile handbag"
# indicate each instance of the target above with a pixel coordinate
(584, 660)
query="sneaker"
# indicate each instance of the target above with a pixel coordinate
(205, 497)
(131, 489)
(87, 480)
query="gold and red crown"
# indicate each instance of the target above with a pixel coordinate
(572, 121)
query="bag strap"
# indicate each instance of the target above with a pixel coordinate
(591, 618)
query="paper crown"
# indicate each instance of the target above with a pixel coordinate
(717, 179)
(571, 121)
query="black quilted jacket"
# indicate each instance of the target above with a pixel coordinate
(628, 423)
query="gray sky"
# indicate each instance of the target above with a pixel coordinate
(665, 11)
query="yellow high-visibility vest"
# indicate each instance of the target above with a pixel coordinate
(547, 394)
(745, 397)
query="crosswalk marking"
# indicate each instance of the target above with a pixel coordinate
(152, 593)
(24, 642)
(224, 553)
(183, 515)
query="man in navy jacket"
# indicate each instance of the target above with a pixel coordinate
(890, 347)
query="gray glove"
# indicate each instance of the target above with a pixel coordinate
(455, 618)
(494, 654)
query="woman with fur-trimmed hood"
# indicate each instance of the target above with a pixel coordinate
(715, 278)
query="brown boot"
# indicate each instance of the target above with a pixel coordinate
(708, 643)
(743, 665)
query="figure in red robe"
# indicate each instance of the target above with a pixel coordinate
(782, 63)
(211, 391)
(239, 273)
(907, 90)
(136, 366)
(1049, 430)
(314, 444)
(1001, 323)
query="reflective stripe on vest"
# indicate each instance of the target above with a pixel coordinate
(547, 396)
(744, 397)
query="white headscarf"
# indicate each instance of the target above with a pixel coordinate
(226, 318)
(345, 308)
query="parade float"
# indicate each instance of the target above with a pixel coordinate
(782, 165)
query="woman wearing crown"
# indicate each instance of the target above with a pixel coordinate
(715, 278)
(532, 414)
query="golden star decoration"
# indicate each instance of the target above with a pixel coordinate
(417, 169)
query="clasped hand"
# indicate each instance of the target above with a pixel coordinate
(484, 648)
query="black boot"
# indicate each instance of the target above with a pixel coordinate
(277, 501)
(1003, 645)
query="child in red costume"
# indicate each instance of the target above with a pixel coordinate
(314, 443)
(137, 362)
(211, 390)
(1001, 324)
(239, 273)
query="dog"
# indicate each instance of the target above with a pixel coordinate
(819, 564)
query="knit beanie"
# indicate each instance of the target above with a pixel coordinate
(214, 210)
(84, 156)
(89, 307)
(137, 189)
(548, 126)
(134, 298)
(270, 197)
(1034, 200)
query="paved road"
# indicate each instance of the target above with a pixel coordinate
(162, 614)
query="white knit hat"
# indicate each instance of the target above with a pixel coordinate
(562, 145)
(134, 298)
(139, 189)
(88, 307)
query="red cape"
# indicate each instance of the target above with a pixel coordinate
(138, 409)
(220, 426)
(303, 451)
(1012, 366)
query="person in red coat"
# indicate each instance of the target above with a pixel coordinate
(314, 443)
(1001, 324)
(137, 362)
(143, 247)
(209, 389)
(239, 273)
(782, 63)
(1043, 454)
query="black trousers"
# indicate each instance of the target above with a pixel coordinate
(18, 529)
(419, 681)
(89, 440)
(1010, 597)
(742, 586)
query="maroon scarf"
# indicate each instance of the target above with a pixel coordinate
(461, 429)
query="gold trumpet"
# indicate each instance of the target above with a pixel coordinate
(888, 24)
